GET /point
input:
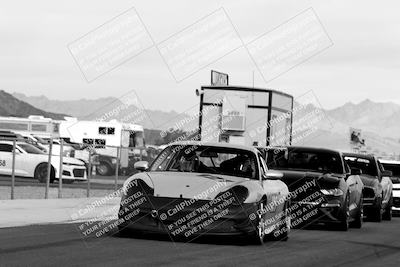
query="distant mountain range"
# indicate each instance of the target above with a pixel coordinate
(382, 118)
(108, 108)
(11, 106)
(379, 122)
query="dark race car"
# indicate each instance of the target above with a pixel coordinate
(194, 189)
(377, 192)
(322, 187)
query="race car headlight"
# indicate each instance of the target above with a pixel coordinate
(126, 185)
(133, 185)
(332, 192)
(237, 193)
(114, 161)
(73, 164)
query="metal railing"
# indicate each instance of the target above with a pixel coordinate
(102, 172)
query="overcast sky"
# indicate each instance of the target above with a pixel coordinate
(364, 61)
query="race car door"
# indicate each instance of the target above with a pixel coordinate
(6, 160)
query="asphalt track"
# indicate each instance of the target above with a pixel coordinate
(376, 244)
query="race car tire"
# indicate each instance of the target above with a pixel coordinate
(375, 213)
(358, 221)
(282, 233)
(41, 173)
(344, 215)
(259, 237)
(387, 214)
(104, 168)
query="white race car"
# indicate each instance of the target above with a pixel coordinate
(32, 162)
(195, 188)
(394, 167)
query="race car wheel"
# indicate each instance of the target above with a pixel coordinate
(261, 229)
(376, 212)
(282, 231)
(387, 215)
(259, 236)
(344, 216)
(358, 221)
(41, 173)
(104, 168)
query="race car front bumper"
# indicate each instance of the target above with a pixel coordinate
(187, 218)
(370, 198)
(73, 172)
(307, 213)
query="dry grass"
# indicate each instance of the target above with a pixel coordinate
(35, 192)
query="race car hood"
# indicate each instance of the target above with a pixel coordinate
(294, 178)
(72, 161)
(369, 180)
(66, 160)
(188, 185)
(305, 184)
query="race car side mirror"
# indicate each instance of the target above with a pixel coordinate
(387, 173)
(141, 165)
(272, 175)
(355, 171)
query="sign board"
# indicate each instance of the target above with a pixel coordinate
(356, 138)
(219, 78)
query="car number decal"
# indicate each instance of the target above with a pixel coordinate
(3, 163)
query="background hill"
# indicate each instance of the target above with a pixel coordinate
(111, 108)
(11, 106)
(378, 122)
(382, 118)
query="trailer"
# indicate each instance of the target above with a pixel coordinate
(116, 144)
(101, 133)
(36, 130)
(245, 115)
(32, 125)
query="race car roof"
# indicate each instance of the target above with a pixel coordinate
(227, 145)
(389, 161)
(311, 149)
(11, 142)
(362, 156)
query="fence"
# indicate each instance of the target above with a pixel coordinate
(33, 170)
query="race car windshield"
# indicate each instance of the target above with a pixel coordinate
(367, 166)
(207, 159)
(30, 149)
(395, 169)
(304, 160)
